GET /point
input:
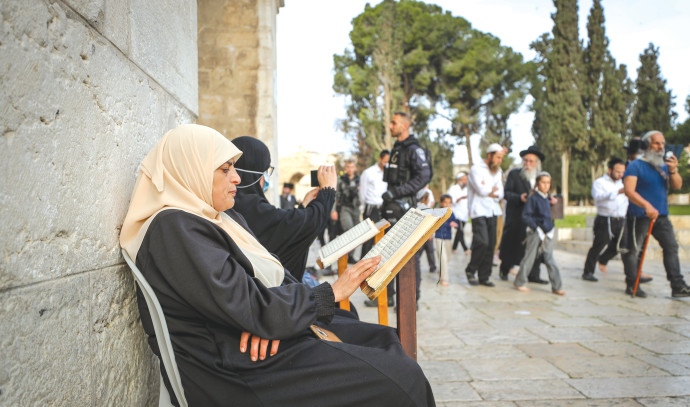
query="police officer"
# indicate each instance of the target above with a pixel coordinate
(408, 171)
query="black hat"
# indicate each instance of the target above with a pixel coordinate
(634, 145)
(533, 150)
(288, 185)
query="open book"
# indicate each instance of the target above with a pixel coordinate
(346, 242)
(401, 243)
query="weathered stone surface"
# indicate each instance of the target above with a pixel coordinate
(580, 403)
(633, 387)
(115, 332)
(511, 369)
(525, 390)
(164, 45)
(613, 366)
(77, 118)
(46, 344)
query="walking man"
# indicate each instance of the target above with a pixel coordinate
(646, 182)
(519, 183)
(612, 205)
(485, 192)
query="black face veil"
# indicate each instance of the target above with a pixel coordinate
(255, 157)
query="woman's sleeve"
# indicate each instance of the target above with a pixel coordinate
(195, 260)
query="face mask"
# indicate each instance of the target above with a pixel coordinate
(266, 174)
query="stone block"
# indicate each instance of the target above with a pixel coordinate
(164, 45)
(74, 131)
(46, 344)
(633, 386)
(125, 371)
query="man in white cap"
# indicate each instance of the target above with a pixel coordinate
(484, 194)
(458, 193)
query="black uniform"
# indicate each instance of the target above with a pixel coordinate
(408, 171)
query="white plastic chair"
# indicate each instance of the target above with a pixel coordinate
(163, 338)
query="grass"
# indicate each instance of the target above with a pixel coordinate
(572, 221)
(679, 209)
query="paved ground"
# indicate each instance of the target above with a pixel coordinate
(483, 346)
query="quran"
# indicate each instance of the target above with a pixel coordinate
(345, 243)
(400, 243)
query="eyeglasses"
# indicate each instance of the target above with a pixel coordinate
(269, 171)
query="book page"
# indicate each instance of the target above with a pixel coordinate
(346, 242)
(392, 246)
(415, 227)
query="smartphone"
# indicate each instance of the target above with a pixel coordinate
(668, 155)
(314, 178)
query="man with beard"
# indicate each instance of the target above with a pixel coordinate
(646, 182)
(612, 204)
(518, 186)
(485, 191)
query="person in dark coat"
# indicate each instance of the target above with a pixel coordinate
(285, 233)
(287, 200)
(518, 185)
(239, 324)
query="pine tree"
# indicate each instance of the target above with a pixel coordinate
(654, 104)
(564, 119)
(603, 95)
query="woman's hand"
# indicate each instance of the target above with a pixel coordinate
(309, 196)
(327, 176)
(353, 276)
(258, 346)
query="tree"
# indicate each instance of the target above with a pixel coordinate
(606, 95)
(412, 56)
(681, 134)
(654, 104)
(561, 119)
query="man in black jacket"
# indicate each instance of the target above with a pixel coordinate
(408, 171)
(516, 190)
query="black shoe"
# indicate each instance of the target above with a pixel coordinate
(371, 303)
(328, 271)
(472, 279)
(487, 283)
(503, 276)
(683, 291)
(589, 277)
(432, 270)
(645, 280)
(640, 293)
(537, 280)
(351, 260)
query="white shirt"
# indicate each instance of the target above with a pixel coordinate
(607, 199)
(371, 186)
(432, 201)
(481, 181)
(459, 208)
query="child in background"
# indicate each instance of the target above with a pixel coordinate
(443, 239)
(540, 228)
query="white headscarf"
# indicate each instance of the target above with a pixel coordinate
(178, 174)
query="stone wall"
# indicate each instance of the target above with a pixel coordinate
(237, 69)
(86, 89)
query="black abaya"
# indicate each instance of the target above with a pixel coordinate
(209, 296)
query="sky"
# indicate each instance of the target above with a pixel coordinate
(311, 31)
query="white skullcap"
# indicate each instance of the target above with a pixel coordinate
(493, 148)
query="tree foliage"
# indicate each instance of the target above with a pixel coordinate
(654, 104)
(411, 56)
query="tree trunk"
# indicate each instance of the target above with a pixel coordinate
(466, 128)
(565, 169)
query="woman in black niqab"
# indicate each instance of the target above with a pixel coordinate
(285, 233)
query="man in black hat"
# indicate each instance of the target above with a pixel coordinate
(287, 199)
(517, 188)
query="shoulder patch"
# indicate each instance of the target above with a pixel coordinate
(421, 154)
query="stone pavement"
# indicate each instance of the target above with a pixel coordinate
(489, 347)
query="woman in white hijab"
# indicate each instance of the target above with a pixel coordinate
(218, 286)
